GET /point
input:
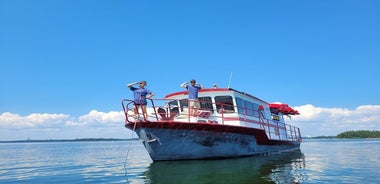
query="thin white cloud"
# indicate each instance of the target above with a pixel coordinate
(361, 114)
(62, 126)
(93, 118)
(10, 120)
(332, 121)
(96, 117)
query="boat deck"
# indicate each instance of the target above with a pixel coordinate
(162, 114)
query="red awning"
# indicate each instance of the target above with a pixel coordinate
(283, 108)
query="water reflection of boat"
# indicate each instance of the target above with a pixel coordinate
(228, 123)
(283, 167)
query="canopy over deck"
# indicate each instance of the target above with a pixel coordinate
(283, 108)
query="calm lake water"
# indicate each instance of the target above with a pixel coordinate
(318, 161)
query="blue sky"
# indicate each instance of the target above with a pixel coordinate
(65, 64)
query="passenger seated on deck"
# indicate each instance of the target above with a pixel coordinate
(162, 113)
(173, 112)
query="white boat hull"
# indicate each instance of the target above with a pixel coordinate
(205, 141)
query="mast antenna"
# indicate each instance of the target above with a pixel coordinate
(229, 82)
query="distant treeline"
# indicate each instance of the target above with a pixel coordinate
(359, 134)
(320, 137)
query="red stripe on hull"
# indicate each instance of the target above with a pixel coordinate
(259, 134)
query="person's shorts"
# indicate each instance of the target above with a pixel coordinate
(140, 103)
(194, 103)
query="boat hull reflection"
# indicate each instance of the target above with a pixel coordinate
(285, 167)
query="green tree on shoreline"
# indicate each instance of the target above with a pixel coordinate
(359, 134)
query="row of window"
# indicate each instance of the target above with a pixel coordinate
(247, 107)
(223, 104)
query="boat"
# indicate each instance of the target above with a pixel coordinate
(229, 124)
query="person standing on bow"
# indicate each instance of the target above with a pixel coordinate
(193, 89)
(140, 96)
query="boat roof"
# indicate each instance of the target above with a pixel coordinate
(274, 107)
(204, 90)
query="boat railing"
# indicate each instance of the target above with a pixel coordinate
(160, 110)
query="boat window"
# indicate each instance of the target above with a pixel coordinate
(173, 106)
(206, 103)
(240, 105)
(183, 104)
(248, 107)
(173, 103)
(224, 103)
(255, 109)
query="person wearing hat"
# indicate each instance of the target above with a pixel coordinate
(193, 89)
(140, 96)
